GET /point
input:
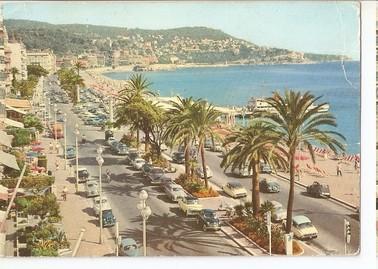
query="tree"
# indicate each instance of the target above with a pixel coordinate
(137, 88)
(254, 144)
(31, 120)
(204, 116)
(21, 137)
(14, 72)
(299, 121)
(179, 127)
(36, 70)
(78, 65)
(69, 81)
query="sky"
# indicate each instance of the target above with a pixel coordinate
(328, 27)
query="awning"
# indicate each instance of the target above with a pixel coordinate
(8, 107)
(13, 123)
(4, 194)
(5, 139)
(8, 160)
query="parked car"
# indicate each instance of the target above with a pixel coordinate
(122, 149)
(178, 157)
(208, 220)
(174, 191)
(243, 172)
(83, 174)
(208, 143)
(128, 247)
(146, 167)
(91, 188)
(70, 152)
(189, 205)
(96, 204)
(199, 172)
(157, 176)
(132, 155)
(108, 219)
(303, 228)
(317, 189)
(138, 163)
(269, 185)
(279, 212)
(109, 140)
(265, 168)
(217, 147)
(235, 190)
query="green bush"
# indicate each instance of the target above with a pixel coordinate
(39, 205)
(129, 140)
(37, 182)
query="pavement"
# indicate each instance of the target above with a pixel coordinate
(77, 210)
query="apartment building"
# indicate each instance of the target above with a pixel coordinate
(45, 58)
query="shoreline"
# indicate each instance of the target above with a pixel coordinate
(173, 67)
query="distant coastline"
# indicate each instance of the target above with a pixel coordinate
(172, 67)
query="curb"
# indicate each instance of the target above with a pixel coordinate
(334, 199)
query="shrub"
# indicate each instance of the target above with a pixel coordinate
(129, 140)
(38, 182)
(39, 205)
(195, 186)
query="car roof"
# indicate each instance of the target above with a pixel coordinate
(235, 184)
(208, 210)
(301, 219)
(191, 198)
(82, 169)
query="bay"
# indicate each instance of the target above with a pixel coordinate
(338, 83)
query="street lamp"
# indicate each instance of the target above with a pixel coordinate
(65, 141)
(77, 133)
(145, 212)
(55, 127)
(100, 162)
(243, 112)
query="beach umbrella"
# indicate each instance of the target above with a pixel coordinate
(37, 148)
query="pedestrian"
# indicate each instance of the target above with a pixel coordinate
(51, 147)
(338, 169)
(356, 165)
(70, 169)
(57, 164)
(64, 193)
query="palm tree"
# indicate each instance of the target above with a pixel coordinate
(78, 65)
(298, 121)
(14, 72)
(137, 87)
(180, 128)
(203, 117)
(254, 144)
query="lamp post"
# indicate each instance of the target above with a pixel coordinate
(243, 112)
(77, 133)
(65, 141)
(100, 162)
(145, 212)
(55, 127)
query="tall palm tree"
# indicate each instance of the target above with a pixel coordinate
(299, 121)
(180, 128)
(137, 87)
(78, 65)
(250, 146)
(204, 116)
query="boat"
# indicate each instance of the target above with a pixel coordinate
(261, 105)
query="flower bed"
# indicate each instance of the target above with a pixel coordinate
(195, 186)
(256, 230)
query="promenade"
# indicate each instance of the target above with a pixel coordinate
(77, 210)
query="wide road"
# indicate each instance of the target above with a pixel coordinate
(168, 232)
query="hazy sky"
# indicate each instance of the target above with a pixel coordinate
(320, 27)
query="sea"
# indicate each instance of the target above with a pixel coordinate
(338, 83)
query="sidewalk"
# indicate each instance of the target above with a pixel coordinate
(77, 211)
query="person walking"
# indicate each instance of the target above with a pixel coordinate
(51, 147)
(338, 169)
(57, 164)
(64, 193)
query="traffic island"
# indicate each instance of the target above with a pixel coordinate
(196, 186)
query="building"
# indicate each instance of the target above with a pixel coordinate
(18, 59)
(5, 74)
(45, 58)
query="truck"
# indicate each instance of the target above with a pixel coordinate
(57, 129)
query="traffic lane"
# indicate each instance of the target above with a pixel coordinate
(328, 217)
(169, 233)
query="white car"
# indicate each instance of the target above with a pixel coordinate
(91, 188)
(303, 228)
(138, 163)
(217, 147)
(235, 190)
(199, 172)
(174, 191)
(243, 172)
(279, 212)
(110, 140)
(96, 204)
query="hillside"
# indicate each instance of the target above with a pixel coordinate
(186, 44)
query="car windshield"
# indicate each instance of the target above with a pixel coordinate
(235, 185)
(305, 225)
(210, 214)
(191, 201)
(176, 189)
(133, 155)
(157, 171)
(91, 185)
(140, 161)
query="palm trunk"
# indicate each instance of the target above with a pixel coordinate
(204, 166)
(187, 157)
(146, 142)
(255, 189)
(290, 201)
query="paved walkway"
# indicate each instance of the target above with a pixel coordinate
(77, 211)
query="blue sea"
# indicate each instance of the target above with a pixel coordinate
(337, 83)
